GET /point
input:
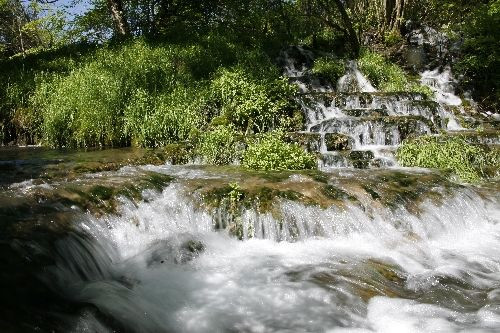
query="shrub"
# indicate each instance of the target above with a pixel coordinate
(219, 146)
(270, 152)
(329, 67)
(251, 104)
(470, 162)
(165, 118)
(383, 74)
(388, 76)
(392, 38)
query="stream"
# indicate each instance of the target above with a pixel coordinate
(385, 250)
(118, 240)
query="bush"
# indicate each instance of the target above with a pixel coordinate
(470, 162)
(157, 120)
(270, 152)
(383, 74)
(392, 38)
(387, 76)
(253, 105)
(218, 146)
(330, 68)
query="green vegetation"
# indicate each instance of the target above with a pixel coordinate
(254, 103)
(480, 61)
(470, 162)
(270, 152)
(330, 68)
(152, 95)
(387, 76)
(204, 75)
(219, 146)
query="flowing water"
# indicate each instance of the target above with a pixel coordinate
(373, 121)
(382, 251)
(105, 241)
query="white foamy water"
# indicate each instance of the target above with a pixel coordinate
(441, 82)
(342, 269)
(354, 80)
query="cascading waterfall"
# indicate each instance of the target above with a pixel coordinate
(354, 80)
(178, 249)
(374, 121)
(161, 266)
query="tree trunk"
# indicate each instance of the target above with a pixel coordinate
(351, 33)
(393, 10)
(116, 10)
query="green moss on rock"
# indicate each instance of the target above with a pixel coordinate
(337, 141)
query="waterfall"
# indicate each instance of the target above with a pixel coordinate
(161, 265)
(371, 121)
(354, 81)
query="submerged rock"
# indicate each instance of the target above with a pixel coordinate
(176, 250)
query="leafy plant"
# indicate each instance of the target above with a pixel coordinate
(270, 152)
(392, 38)
(329, 67)
(470, 162)
(388, 76)
(255, 105)
(219, 146)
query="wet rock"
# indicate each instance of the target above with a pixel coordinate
(365, 112)
(361, 164)
(178, 250)
(307, 140)
(337, 141)
(361, 155)
(377, 130)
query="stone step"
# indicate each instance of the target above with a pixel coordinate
(376, 130)
(361, 100)
(485, 137)
(365, 112)
(358, 159)
(329, 107)
(307, 140)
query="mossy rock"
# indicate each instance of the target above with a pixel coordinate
(365, 112)
(307, 140)
(361, 155)
(337, 141)
(361, 164)
(178, 153)
(101, 199)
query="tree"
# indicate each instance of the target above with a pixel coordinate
(119, 19)
(334, 15)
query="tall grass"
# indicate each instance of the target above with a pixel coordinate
(147, 94)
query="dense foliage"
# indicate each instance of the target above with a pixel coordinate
(152, 73)
(470, 162)
(387, 76)
(270, 152)
(219, 146)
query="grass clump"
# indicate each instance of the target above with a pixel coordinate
(219, 146)
(387, 76)
(270, 152)
(330, 68)
(84, 109)
(469, 162)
